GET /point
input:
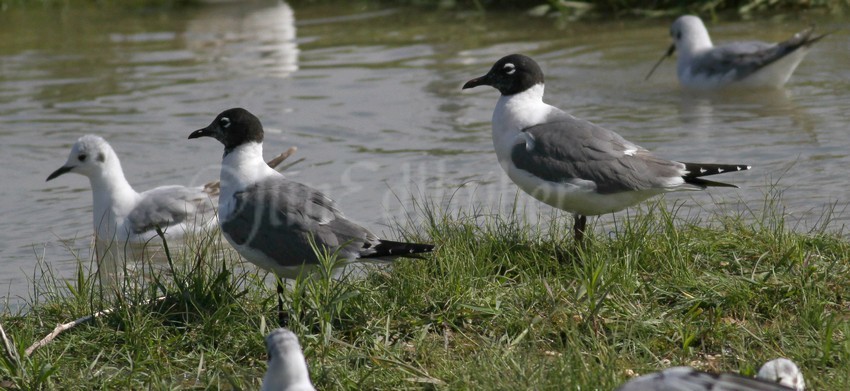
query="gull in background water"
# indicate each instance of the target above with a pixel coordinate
(271, 220)
(780, 374)
(287, 370)
(120, 214)
(703, 66)
(572, 164)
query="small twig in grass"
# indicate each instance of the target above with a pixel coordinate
(280, 158)
(67, 326)
(214, 186)
(161, 235)
(9, 346)
(286, 166)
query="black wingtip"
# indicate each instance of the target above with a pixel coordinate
(811, 41)
(704, 183)
(805, 38)
(389, 248)
(695, 172)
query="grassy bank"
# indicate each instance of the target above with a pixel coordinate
(495, 307)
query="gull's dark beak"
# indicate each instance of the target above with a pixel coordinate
(205, 132)
(478, 81)
(60, 171)
(669, 53)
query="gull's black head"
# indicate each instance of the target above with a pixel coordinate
(233, 128)
(510, 75)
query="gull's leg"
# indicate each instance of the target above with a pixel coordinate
(580, 223)
(281, 316)
(578, 228)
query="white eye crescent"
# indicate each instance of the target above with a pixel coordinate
(225, 122)
(509, 68)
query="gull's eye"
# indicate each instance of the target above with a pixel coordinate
(678, 35)
(82, 157)
(224, 122)
(509, 69)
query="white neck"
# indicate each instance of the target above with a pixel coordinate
(516, 112)
(113, 197)
(694, 42)
(243, 166)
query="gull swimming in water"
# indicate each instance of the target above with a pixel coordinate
(703, 66)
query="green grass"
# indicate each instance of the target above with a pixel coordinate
(499, 305)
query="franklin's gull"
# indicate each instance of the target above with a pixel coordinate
(271, 220)
(573, 164)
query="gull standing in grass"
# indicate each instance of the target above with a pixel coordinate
(572, 164)
(702, 65)
(123, 215)
(271, 221)
(776, 375)
(287, 369)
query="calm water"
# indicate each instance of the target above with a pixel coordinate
(372, 99)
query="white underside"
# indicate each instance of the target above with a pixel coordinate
(772, 76)
(575, 198)
(516, 112)
(111, 214)
(240, 168)
(125, 235)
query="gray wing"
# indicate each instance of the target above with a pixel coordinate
(689, 379)
(568, 149)
(166, 206)
(278, 217)
(742, 59)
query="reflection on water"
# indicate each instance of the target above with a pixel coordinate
(218, 35)
(696, 107)
(371, 96)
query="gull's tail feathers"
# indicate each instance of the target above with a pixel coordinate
(697, 170)
(389, 248)
(804, 38)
